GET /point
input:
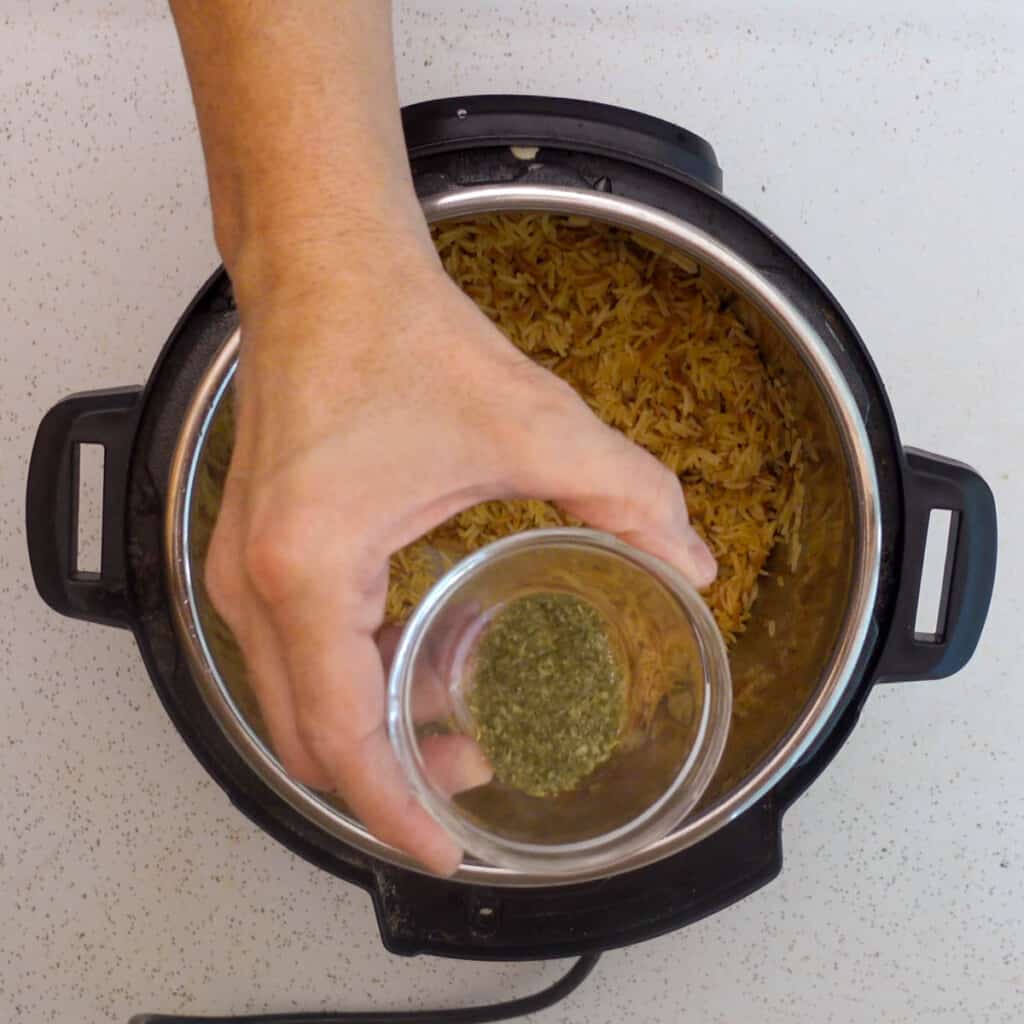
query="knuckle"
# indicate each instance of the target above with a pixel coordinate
(653, 493)
(555, 396)
(539, 390)
(331, 733)
(310, 728)
(276, 558)
(661, 492)
(548, 409)
(318, 734)
(664, 486)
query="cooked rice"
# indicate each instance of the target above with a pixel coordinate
(656, 350)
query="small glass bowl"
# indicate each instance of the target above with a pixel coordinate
(679, 696)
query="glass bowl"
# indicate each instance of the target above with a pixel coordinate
(676, 701)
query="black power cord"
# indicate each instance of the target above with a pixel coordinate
(565, 986)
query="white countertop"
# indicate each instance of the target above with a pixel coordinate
(885, 142)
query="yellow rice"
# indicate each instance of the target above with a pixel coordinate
(656, 351)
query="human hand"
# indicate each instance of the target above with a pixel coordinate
(374, 402)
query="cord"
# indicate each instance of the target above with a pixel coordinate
(565, 986)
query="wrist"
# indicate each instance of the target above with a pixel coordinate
(293, 250)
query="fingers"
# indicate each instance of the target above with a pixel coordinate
(256, 636)
(338, 685)
(372, 783)
(597, 475)
(321, 692)
(627, 491)
(431, 700)
(455, 763)
(268, 675)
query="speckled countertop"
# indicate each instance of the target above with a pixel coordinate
(885, 141)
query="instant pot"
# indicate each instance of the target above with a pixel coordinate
(840, 624)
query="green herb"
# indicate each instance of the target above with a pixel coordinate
(547, 693)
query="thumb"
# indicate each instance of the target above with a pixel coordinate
(605, 480)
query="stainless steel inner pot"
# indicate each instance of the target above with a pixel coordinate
(790, 669)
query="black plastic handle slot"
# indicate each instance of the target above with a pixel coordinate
(106, 418)
(932, 483)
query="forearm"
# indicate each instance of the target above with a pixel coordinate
(298, 112)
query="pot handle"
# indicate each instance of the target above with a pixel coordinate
(106, 418)
(932, 483)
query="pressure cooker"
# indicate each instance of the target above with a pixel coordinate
(843, 622)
